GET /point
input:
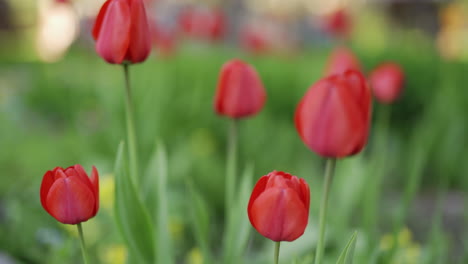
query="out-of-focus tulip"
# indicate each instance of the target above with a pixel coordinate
(333, 117)
(203, 23)
(338, 23)
(69, 195)
(164, 39)
(240, 92)
(386, 82)
(279, 206)
(122, 32)
(340, 60)
(255, 40)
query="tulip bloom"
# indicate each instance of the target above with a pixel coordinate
(338, 23)
(279, 206)
(203, 23)
(386, 82)
(122, 32)
(341, 60)
(240, 91)
(69, 195)
(333, 117)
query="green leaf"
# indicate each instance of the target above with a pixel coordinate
(200, 221)
(240, 230)
(156, 199)
(346, 256)
(131, 215)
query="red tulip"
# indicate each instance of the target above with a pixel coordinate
(69, 195)
(240, 91)
(164, 40)
(340, 60)
(386, 82)
(333, 117)
(279, 206)
(338, 23)
(203, 23)
(122, 32)
(255, 40)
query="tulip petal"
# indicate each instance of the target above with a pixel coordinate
(279, 214)
(80, 173)
(99, 18)
(70, 201)
(140, 36)
(47, 182)
(258, 189)
(114, 32)
(95, 183)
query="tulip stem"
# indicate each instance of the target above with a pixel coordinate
(329, 170)
(82, 242)
(131, 135)
(231, 166)
(230, 187)
(380, 153)
(277, 250)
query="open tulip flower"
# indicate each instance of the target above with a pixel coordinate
(69, 195)
(386, 82)
(279, 206)
(122, 32)
(333, 117)
(341, 60)
(240, 92)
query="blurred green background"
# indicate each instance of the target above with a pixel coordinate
(69, 109)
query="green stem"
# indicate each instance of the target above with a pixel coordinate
(231, 165)
(82, 242)
(131, 135)
(329, 170)
(375, 179)
(277, 250)
(230, 187)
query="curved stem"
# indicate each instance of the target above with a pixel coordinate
(82, 242)
(277, 249)
(329, 170)
(131, 135)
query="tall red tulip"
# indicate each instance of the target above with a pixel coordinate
(333, 117)
(341, 60)
(386, 82)
(240, 92)
(279, 206)
(122, 32)
(69, 195)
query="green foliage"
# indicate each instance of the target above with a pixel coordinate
(347, 255)
(131, 214)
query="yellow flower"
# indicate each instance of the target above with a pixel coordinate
(386, 242)
(114, 254)
(195, 256)
(107, 191)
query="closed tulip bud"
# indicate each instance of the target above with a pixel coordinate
(341, 60)
(333, 117)
(279, 206)
(386, 82)
(122, 32)
(69, 195)
(240, 92)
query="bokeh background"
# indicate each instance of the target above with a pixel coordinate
(61, 104)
